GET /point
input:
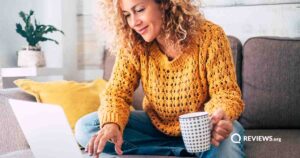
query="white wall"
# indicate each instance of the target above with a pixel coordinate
(51, 11)
(90, 46)
(9, 40)
(246, 18)
(69, 25)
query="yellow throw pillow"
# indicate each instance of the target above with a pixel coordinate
(77, 99)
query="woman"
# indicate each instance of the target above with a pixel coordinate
(185, 65)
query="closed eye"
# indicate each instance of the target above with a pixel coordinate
(141, 10)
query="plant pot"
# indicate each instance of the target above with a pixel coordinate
(31, 57)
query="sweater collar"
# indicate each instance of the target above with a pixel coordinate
(162, 58)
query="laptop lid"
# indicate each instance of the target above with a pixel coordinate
(46, 129)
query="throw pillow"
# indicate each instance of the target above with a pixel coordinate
(77, 99)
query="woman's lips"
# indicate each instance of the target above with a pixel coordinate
(143, 30)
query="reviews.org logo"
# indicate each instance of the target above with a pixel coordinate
(236, 138)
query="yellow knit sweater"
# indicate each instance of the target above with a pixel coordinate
(201, 79)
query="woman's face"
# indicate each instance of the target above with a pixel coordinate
(143, 16)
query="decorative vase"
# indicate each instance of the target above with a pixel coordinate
(31, 57)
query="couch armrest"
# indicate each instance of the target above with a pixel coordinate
(16, 93)
(11, 136)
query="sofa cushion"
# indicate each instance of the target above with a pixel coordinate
(138, 96)
(109, 61)
(271, 85)
(288, 147)
(236, 48)
(11, 135)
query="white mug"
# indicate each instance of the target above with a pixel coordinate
(196, 131)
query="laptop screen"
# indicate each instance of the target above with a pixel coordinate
(46, 129)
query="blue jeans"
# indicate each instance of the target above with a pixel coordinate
(142, 138)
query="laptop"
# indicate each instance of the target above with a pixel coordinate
(47, 131)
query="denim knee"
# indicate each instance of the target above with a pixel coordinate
(238, 128)
(86, 127)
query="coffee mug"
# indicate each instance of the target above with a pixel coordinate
(196, 131)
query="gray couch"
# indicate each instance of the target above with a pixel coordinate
(268, 72)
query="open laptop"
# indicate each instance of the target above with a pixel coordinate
(46, 130)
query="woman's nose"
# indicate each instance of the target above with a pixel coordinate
(136, 21)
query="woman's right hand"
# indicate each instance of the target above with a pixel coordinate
(109, 132)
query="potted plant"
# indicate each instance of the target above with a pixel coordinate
(33, 32)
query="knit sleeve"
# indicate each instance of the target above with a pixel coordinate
(118, 95)
(223, 89)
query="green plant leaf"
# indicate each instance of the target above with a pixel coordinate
(52, 29)
(48, 39)
(22, 15)
(20, 30)
(31, 12)
(40, 30)
(32, 31)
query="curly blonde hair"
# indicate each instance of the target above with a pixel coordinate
(181, 23)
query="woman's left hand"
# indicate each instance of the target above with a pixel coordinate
(222, 127)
